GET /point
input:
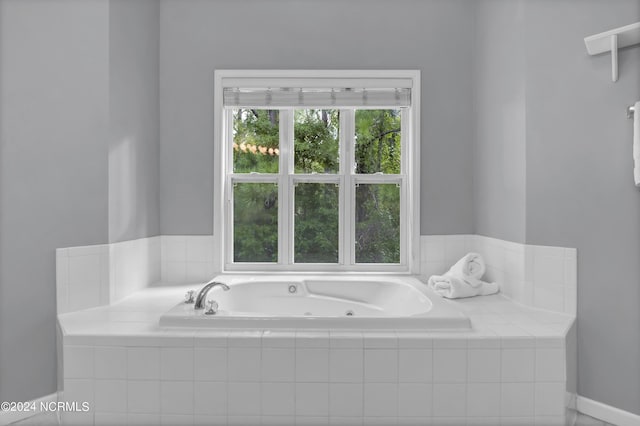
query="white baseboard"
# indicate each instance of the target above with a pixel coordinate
(606, 413)
(8, 417)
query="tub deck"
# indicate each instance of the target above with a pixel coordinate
(519, 361)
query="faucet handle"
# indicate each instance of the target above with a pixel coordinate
(213, 307)
(189, 296)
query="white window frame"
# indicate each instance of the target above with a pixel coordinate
(409, 178)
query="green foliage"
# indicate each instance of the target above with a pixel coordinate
(255, 222)
(378, 223)
(378, 141)
(316, 142)
(256, 134)
(316, 223)
(316, 215)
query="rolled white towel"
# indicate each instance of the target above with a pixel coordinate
(471, 268)
(454, 287)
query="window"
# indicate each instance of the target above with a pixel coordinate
(317, 172)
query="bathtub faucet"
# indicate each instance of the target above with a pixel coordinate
(203, 293)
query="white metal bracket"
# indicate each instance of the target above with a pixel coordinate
(611, 41)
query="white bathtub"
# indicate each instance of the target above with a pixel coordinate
(321, 302)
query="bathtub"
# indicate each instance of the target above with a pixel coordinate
(320, 302)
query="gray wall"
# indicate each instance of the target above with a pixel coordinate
(541, 98)
(198, 37)
(580, 190)
(134, 142)
(499, 148)
(79, 157)
(53, 173)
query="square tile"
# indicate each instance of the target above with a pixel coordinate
(312, 399)
(210, 420)
(76, 418)
(111, 419)
(110, 396)
(177, 397)
(414, 421)
(79, 390)
(345, 421)
(143, 363)
(211, 364)
(243, 420)
(199, 248)
(381, 421)
(449, 365)
(483, 399)
(278, 364)
(415, 340)
(210, 398)
(278, 399)
(311, 421)
(414, 399)
(483, 421)
(548, 270)
(312, 339)
(483, 365)
(380, 340)
(244, 399)
(110, 362)
(517, 400)
(176, 364)
(415, 365)
(346, 340)
(518, 365)
(312, 365)
(345, 400)
(380, 400)
(243, 364)
(381, 365)
(550, 398)
(84, 269)
(138, 419)
(176, 419)
(555, 421)
(278, 339)
(78, 362)
(143, 396)
(449, 400)
(174, 272)
(550, 365)
(278, 420)
(173, 248)
(245, 338)
(346, 365)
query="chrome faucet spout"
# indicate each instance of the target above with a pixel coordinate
(203, 293)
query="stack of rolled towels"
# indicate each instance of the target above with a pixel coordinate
(463, 279)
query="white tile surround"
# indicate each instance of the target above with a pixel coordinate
(539, 276)
(98, 275)
(511, 368)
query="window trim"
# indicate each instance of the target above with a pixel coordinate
(410, 168)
